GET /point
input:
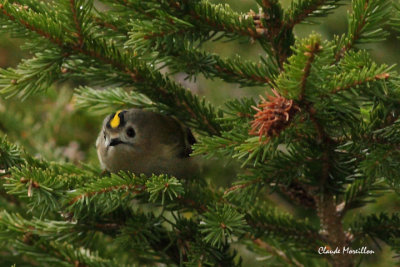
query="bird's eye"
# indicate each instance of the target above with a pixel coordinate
(130, 132)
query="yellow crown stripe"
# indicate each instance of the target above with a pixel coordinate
(116, 120)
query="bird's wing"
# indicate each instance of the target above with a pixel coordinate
(180, 139)
(189, 140)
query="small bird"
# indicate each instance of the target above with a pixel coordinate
(145, 142)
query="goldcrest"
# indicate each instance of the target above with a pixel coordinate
(145, 142)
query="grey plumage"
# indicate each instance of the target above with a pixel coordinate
(145, 142)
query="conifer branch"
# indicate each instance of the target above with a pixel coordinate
(77, 22)
(301, 10)
(236, 70)
(360, 192)
(272, 17)
(105, 102)
(165, 90)
(330, 221)
(190, 203)
(32, 75)
(281, 226)
(269, 4)
(274, 251)
(311, 50)
(132, 189)
(377, 77)
(108, 25)
(37, 239)
(182, 56)
(310, 54)
(207, 17)
(10, 156)
(31, 24)
(254, 222)
(226, 69)
(241, 186)
(365, 24)
(218, 17)
(382, 226)
(144, 37)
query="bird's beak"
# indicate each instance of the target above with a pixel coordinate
(112, 140)
(115, 141)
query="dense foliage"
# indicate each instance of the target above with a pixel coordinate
(324, 139)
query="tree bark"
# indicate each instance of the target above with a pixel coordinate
(332, 227)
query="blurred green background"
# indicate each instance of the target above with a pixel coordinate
(51, 127)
